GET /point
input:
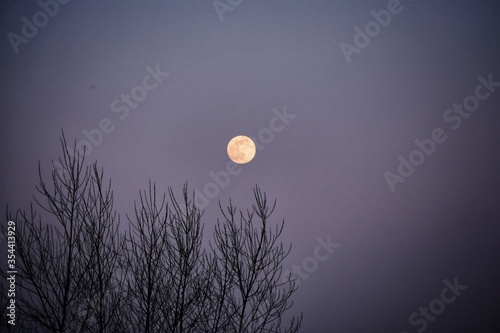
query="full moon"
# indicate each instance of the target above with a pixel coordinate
(241, 149)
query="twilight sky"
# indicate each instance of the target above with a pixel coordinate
(337, 110)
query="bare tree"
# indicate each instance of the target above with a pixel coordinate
(165, 275)
(145, 263)
(217, 317)
(77, 273)
(185, 305)
(102, 248)
(248, 293)
(63, 272)
(236, 287)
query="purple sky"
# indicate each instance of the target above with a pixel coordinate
(326, 166)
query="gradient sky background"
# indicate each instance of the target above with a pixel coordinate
(325, 168)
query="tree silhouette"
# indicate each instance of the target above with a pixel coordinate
(165, 276)
(248, 265)
(144, 264)
(66, 264)
(79, 272)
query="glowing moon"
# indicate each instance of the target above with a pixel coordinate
(241, 149)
